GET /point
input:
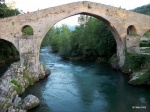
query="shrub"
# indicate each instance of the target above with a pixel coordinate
(136, 61)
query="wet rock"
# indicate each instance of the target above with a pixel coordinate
(47, 72)
(139, 78)
(22, 110)
(30, 102)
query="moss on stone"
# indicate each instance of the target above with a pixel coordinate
(17, 87)
(27, 75)
(141, 77)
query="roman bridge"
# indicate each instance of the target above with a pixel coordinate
(118, 20)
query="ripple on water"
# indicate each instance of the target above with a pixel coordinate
(85, 87)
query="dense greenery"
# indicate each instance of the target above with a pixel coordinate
(136, 62)
(143, 9)
(89, 41)
(7, 50)
(6, 11)
(27, 30)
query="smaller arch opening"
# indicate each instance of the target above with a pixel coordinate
(131, 30)
(27, 30)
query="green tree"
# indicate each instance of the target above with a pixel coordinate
(6, 11)
(65, 46)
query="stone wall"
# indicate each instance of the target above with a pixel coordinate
(133, 44)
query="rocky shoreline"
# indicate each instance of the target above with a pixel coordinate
(13, 83)
(137, 77)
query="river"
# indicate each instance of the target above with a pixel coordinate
(86, 87)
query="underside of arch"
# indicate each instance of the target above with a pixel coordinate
(7, 49)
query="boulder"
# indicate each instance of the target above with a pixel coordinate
(30, 102)
(47, 72)
(140, 78)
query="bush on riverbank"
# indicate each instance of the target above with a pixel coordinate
(138, 65)
(136, 62)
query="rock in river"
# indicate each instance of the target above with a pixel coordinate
(30, 102)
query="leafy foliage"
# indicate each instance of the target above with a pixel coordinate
(6, 11)
(27, 31)
(89, 41)
(136, 62)
(147, 34)
(7, 50)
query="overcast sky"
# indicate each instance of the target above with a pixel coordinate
(33, 5)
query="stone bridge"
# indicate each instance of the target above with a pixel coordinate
(121, 23)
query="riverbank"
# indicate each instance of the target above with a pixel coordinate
(13, 83)
(136, 65)
(82, 86)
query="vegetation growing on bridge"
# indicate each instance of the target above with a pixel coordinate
(89, 41)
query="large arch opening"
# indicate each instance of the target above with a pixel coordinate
(8, 55)
(89, 50)
(145, 43)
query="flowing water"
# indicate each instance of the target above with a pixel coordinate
(86, 87)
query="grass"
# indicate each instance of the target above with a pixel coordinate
(27, 75)
(16, 86)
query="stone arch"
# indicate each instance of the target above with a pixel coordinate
(27, 30)
(113, 27)
(88, 8)
(110, 24)
(131, 30)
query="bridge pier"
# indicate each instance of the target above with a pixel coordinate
(133, 44)
(29, 53)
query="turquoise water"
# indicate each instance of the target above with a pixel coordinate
(86, 87)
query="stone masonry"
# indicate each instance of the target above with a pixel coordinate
(41, 21)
